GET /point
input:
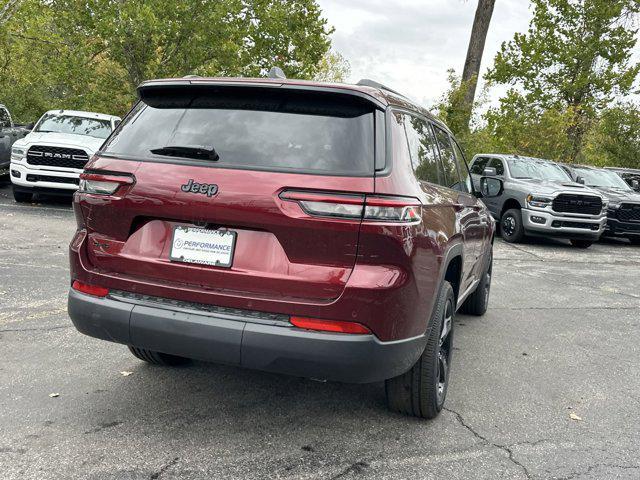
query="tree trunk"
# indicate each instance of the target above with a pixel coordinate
(471, 70)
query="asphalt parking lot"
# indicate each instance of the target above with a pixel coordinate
(561, 340)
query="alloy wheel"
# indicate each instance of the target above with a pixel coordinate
(509, 225)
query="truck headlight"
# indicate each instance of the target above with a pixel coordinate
(17, 154)
(538, 202)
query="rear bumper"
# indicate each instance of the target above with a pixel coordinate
(539, 222)
(273, 346)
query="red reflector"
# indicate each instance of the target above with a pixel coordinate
(90, 289)
(329, 325)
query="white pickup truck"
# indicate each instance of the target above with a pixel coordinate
(51, 158)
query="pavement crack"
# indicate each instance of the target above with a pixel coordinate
(589, 469)
(163, 469)
(586, 287)
(563, 308)
(358, 468)
(535, 255)
(505, 448)
(36, 329)
(103, 426)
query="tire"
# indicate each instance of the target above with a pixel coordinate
(511, 226)
(22, 197)
(478, 302)
(157, 358)
(581, 243)
(421, 391)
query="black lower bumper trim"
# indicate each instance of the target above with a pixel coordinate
(216, 338)
(616, 228)
(58, 192)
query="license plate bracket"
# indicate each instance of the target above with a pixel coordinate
(203, 246)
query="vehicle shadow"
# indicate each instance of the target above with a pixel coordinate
(207, 397)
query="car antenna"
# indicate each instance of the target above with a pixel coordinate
(276, 72)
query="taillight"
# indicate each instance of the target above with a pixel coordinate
(103, 184)
(337, 326)
(392, 209)
(377, 208)
(90, 289)
(327, 204)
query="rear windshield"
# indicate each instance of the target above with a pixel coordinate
(307, 135)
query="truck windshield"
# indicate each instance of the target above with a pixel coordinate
(601, 178)
(538, 169)
(72, 124)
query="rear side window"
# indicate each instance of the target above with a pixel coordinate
(423, 150)
(299, 132)
(498, 165)
(478, 166)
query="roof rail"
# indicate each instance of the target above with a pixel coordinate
(365, 82)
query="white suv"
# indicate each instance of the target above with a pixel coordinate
(51, 158)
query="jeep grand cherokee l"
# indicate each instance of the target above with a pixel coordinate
(540, 198)
(325, 231)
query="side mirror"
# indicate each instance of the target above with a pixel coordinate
(580, 180)
(29, 126)
(635, 185)
(491, 187)
(490, 172)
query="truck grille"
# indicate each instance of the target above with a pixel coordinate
(51, 178)
(569, 203)
(629, 212)
(57, 157)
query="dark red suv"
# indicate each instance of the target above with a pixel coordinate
(319, 230)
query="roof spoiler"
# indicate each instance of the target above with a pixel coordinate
(212, 93)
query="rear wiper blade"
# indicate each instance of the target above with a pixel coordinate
(187, 152)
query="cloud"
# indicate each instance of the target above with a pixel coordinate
(410, 44)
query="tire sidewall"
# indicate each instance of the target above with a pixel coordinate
(518, 231)
(431, 357)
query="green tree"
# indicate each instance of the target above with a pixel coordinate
(91, 54)
(574, 60)
(333, 67)
(470, 131)
(615, 139)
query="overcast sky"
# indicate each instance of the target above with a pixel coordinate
(409, 44)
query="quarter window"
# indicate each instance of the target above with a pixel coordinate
(465, 178)
(423, 150)
(449, 161)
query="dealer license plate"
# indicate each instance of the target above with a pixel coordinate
(206, 247)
